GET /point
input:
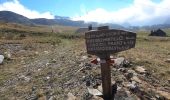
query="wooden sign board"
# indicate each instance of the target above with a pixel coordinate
(109, 41)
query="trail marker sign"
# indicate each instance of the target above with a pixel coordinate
(109, 41)
(104, 42)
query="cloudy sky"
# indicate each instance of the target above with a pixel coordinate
(134, 12)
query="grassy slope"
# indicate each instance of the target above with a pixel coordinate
(151, 52)
(55, 28)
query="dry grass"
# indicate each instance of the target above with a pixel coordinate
(38, 28)
(151, 52)
(67, 49)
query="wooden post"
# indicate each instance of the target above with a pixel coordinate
(106, 77)
(105, 72)
(102, 43)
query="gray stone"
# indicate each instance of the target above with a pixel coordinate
(164, 94)
(140, 69)
(136, 79)
(129, 75)
(168, 81)
(8, 54)
(168, 61)
(1, 59)
(132, 85)
(71, 96)
(23, 77)
(84, 57)
(94, 91)
(119, 61)
(51, 98)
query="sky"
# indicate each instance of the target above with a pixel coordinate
(134, 12)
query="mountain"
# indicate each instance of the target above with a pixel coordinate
(61, 17)
(43, 21)
(11, 17)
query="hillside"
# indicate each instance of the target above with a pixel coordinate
(10, 17)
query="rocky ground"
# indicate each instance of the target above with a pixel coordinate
(43, 71)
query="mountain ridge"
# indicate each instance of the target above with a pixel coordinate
(11, 17)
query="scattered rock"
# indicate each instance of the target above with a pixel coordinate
(46, 52)
(81, 65)
(71, 96)
(165, 94)
(131, 85)
(36, 52)
(94, 91)
(100, 88)
(87, 96)
(39, 69)
(122, 62)
(1, 59)
(136, 79)
(53, 61)
(47, 77)
(121, 95)
(32, 97)
(97, 98)
(168, 61)
(47, 64)
(7, 55)
(51, 98)
(88, 66)
(98, 59)
(168, 81)
(124, 70)
(129, 75)
(119, 61)
(132, 71)
(84, 57)
(140, 69)
(23, 77)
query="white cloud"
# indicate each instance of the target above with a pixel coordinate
(17, 7)
(141, 12)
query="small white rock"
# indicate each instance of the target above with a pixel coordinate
(48, 77)
(71, 96)
(84, 57)
(140, 69)
(1, 59)
(98, 59)
(27, 79)
(94, 91)
(36, 52)
(136, 79)
(46, 52)
(119, 61)
(8, 54)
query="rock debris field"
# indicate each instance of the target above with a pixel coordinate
(64, 72)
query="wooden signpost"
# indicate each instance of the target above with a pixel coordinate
(104, 42)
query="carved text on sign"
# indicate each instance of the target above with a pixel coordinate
(110, 41)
